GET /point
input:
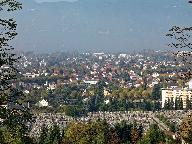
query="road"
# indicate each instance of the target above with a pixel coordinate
(161, 125)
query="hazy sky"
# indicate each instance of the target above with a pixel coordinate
(99, 25)
(55, 0)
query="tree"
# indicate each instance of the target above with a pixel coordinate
(145, 94)
(134, 135)
(50, 135)
(188, 103)
(154, 136)
(124, 131)
(140, 131)
(148, 105)
(186, 129)
(92, 132)
(91, 106)
(7, 59)
(180, 103)
(73, 110)
(176, 103)
(113, 137)
(180, 83)
(172, 104)
(157, 105)
(168, 104)
(43, 135)
(14, 114)
(55, 135)
(156, 93)
(181, 39)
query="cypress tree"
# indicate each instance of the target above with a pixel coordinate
(43, 135)
(171, 104)
(176, 103)
(188, 103)
(181, 104)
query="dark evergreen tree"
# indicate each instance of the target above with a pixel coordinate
(172, 104)
(55, 135)
(140, 131)
(134, 135)
(113, 105)
(154, 136)
(166, 105)
(181, 104)
(43, 135)
(157, 105)
(156, 93)
(100, 91)
(124, 131)
(148, 105)
(176, 103)
(91, 106)
(188, 103)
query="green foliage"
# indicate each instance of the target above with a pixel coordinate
(188, 104)
(172, 126)
(51, 135)
(16, 115)
(181, 104)
(124, 131)
(129, 133)
(43, 134)
(156, 93)
(154, 136)
(7, 136)
(170, 104)
(177, 107)
(73, 110)
(98, 132)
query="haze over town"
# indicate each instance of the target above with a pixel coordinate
(98, 25)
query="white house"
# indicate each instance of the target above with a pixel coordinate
(122, 55)
(52, 86)
(31, 75)
(155, 75)
(26, 91)
(43, 63)
(43, 103)
(190, 84)
(107, 101)
(91, 82)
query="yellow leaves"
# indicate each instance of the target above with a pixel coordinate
(186, 128)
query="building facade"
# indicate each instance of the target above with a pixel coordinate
(173, 93)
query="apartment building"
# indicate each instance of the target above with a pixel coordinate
(173, 93)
